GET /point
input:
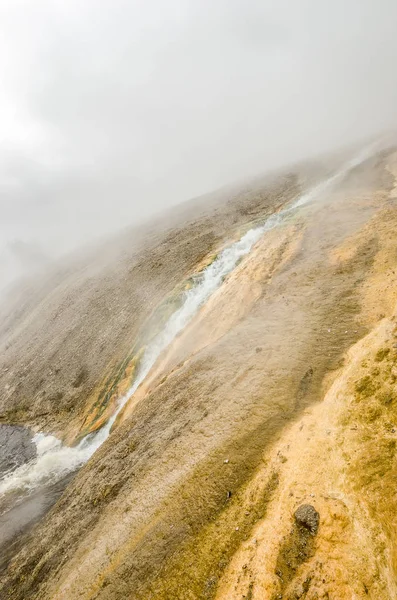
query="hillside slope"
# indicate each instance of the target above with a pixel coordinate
(257, 459)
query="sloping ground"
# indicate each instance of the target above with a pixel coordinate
(280, 393)
(69, 333)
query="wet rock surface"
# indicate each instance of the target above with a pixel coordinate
(17, 447)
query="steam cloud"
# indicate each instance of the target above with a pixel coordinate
(113, 110)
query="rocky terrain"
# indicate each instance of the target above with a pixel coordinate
(257, 458)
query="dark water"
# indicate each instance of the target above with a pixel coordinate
(16, 447)
(18, 515)
(18, 520)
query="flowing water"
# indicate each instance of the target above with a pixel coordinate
(54, 461)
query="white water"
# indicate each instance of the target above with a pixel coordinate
(53, 460)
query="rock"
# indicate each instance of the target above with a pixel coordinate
(307, 516)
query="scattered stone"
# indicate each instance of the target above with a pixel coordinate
(307, 516)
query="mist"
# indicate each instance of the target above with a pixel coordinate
(113, 111)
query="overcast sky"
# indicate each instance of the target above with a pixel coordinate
(113, 109)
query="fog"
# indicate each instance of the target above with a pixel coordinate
(111, 110)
